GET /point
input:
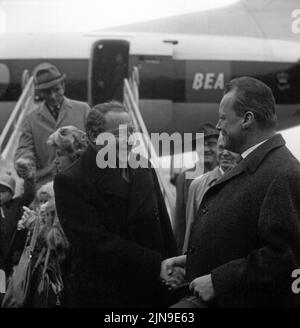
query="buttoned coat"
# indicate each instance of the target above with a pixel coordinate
(247, 231)
(119, 232)
(182, 189)
(38, 126)
(197, 189)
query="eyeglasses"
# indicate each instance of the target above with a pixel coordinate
(121, 132)
(210, 143)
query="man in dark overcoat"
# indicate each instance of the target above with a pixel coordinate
(117, 223)
(245, 240)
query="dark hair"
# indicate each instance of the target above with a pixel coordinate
(95, 120)
(254, 96)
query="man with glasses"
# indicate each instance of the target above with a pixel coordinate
(55, 111)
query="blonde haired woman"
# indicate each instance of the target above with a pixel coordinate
(69, 143)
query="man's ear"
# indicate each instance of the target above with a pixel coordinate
(91, 137)
(248, 120)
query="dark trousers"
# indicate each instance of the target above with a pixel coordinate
(191, 302)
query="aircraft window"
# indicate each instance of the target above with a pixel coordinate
(4, 78)
(150, 60)
(282, 78)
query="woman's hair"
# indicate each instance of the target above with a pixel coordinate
(69, 140)
(52, 234)
(57, 241)
(46, 188)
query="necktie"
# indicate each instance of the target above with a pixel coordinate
(55, 112)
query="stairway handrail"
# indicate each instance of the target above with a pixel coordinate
(138, 120)
(27, 92)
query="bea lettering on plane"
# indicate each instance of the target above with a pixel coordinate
(208, 81)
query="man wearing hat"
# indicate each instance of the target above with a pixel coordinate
(55, 111)
(183, 182)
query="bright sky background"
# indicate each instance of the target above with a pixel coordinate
(83, 15)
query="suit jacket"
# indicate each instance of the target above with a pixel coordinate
(38, 126)
(247, 231)
(119, 232)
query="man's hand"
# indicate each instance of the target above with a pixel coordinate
(176, 279)
(172, 271)
(25, 168)
(203, 288)
(28, 218)
(168, 265)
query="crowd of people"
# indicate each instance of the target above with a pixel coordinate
(104, 236)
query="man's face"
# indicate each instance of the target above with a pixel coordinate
(227, 159)
(210, 150)
(53, 96)
(230, 124)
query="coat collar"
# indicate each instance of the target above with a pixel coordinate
(106, 180)
(140, 179)
(253, 160)
(44, 112)
(109, 181)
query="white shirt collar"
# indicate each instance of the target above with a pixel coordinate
(221, 170)
(250, 150)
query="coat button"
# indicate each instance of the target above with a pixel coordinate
(204, 209)
(191, 249)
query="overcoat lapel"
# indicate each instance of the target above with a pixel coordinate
(106, 180)
(237, 170)
(109, 181)
(253, 160)
(63, 111)
(45, 115)
(139, 190)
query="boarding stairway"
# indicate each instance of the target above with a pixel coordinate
(12, 130)
(10, 134)
(131, 101)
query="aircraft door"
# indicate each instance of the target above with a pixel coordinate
(108, 68)
(156, 77)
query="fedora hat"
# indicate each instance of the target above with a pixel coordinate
(46, 76)
(209, 130)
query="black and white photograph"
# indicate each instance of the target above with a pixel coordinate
(149, 157)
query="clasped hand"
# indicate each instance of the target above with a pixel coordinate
(173, 274)
(173, 271)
